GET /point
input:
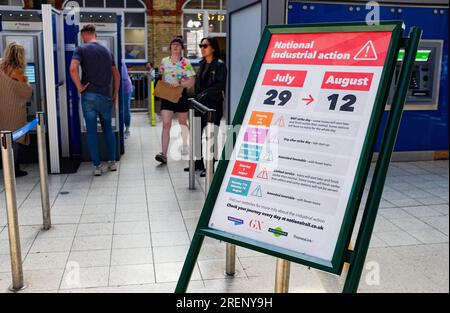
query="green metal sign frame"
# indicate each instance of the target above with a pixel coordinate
(341, 254)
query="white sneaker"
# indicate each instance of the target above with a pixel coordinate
(112, 166)
(127, 134)
(98, 171)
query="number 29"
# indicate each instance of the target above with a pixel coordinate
(283, 97)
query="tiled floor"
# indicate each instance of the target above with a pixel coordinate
(129, 231)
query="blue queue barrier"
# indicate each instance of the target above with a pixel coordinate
(25, 130)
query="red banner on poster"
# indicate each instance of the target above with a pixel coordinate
(347, 81)
(284, 78)
(351, 49)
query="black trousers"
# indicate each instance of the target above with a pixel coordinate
(17, 150)
(199, 164)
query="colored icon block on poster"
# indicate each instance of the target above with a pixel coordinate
(239, 186)
(256, 135)
(244, 169)
(250, 152)
(261, 118)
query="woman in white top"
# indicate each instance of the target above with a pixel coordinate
(177, 71)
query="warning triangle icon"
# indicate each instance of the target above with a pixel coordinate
(280, 122)
(263, 174)
(274, 139)
(268, 157)
(367, 53)
(257, 192)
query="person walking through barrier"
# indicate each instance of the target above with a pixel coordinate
(210, 84)
(149, 67)
(15, 92)
(177, 71)
(97, 98)
(127, 92)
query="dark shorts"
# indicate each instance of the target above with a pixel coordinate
(181, 107)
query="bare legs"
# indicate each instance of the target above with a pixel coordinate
(183, 121)
(166, 116)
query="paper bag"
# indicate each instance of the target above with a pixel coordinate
(166, 91)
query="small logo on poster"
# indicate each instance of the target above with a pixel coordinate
(235, 220)
(278, 232)
(256, 225)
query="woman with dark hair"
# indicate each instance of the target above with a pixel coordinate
(210, 85)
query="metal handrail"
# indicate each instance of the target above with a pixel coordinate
(151, 96)
(204, 110)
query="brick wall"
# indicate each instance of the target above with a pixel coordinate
(164, 22)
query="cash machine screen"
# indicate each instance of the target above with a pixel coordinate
(30, 72)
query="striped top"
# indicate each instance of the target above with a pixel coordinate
(13, 98)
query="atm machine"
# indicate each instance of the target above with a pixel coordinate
(109, 35)
(424, 85)
(29, 33)
(40, 32)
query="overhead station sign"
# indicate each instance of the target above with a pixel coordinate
(294, 181)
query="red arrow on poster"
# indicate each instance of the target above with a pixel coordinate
(310, 100)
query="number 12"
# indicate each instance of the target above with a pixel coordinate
(346, 107)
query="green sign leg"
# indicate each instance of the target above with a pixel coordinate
(189, 263)
(379, 177)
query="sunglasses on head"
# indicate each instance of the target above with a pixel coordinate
(203, 46)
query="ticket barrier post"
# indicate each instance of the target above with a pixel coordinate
(6, 142)
(195, 105)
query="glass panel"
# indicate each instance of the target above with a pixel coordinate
(133, 52)
(80, 3)
(194, 4)
(217, 23)
(16, 3)
(115, 3)
(223, 48)
(135, 36)
(135, 20)
(95, 4)
(193, 39)
(211, 4)
(193, 21)
(134, 4)
(224, 4)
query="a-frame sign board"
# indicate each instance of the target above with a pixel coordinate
(320, 90)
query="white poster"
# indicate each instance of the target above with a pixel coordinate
(294, 163)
